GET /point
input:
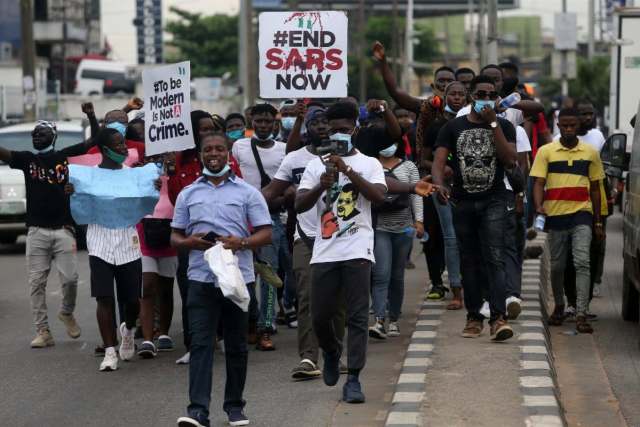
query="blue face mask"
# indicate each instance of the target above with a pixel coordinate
(118, 126)
(235, 134)
(218, 174)
(343, 137)
(389, 151)
(449, 109)
(479, 104)
(288, 122)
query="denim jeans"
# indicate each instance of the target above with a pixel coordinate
(433, 248)
(451, 252)
(577, 242)
(44, 246)
(207, 306)
(277, 255)
(480, 228)
(513, 249)
(391, 251)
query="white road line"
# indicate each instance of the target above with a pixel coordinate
(534, 364)
(424, 334)
(408, 397)
(544, 421)
(540, 401)
(535, 382)
(420, 347)
(428, 322)
(412, 378)
(417, 361)
(403, 418)
(535, 349)
(531, 336)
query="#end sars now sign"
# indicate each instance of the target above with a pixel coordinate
(303, 54)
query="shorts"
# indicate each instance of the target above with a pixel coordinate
(128, 278)
(162, 266)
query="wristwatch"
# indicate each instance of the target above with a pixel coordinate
(349, 169)
(493, 124)
(244, 244)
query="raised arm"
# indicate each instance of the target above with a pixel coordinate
(89, 111)
(293, 142)
(401, 97)
(5, 155)
(393, 127)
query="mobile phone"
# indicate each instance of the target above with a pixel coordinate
(211, 237)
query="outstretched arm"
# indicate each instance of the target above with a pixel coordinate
(401, 97)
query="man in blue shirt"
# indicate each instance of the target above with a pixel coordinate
(223, 205)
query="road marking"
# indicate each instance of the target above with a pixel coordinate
(535, 336)
(531, 313)
(428, 311)
(403, 418)
(544, 421)
(408, 397)
(540, 401)
(536, 382)
(535, 304)
(428, 322)
(535, 349)
(532, 323)
(417, 361)
(411, 378)
(420, 347)
(424, 334)
(534, 364)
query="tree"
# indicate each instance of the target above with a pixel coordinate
(209, 42)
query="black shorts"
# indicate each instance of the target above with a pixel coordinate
(128, 278)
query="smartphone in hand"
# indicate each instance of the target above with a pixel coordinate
(211, 237)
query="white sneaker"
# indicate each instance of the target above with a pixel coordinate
(184, 360)
(570, 314)
(485, 310)
(110, 361)
(513, 307)
(127, 346)
(394, 330)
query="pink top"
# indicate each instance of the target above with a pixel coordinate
(163, 210)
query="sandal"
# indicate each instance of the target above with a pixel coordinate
(583, 326)
(437, 293)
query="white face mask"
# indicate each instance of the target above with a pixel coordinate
(389, 151)
(288, 122)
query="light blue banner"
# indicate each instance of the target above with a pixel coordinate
(113, 198)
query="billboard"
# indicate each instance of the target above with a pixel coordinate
(148, 23)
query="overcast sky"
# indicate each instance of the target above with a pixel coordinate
(117, 18)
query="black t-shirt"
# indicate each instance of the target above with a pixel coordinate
(477, 172)
(45, 176)
(430, 135)
(371, 139)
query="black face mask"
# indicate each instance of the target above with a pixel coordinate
(509, 85)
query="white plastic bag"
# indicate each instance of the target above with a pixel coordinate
(224, 265)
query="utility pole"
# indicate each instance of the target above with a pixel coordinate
(447, 43)
(592, 16)
(395, 38)
(565, 62)
(492, 46)
(28, 60)
(482, 32)
(246, 59)
(473, 47)
(407, 62)
(362, 60)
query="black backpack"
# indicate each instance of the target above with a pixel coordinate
(393, 202)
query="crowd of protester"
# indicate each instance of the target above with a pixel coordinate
(323, 203)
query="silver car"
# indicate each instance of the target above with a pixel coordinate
(13, 198)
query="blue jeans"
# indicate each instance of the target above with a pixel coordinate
(391, 250)
(480, 228)
(207, 306)
(277, 255)
(451, 252)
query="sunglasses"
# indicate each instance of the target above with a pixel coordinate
(481, 94)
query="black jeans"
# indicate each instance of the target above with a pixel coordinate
(480, 229)
(434, 247)
(183, 286)
(207, 306)
(513, 249)
(329, 280)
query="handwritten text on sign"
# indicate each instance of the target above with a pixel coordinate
(167, 103)
(303, 54)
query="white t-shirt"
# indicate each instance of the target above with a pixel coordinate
(513, 115)
(594, 138)
(348, 230)
(271, 159)
(291, 170)
(522, 146)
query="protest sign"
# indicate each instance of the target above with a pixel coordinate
(96, 158)
(303, 54)
(113, 198)
(167, 108)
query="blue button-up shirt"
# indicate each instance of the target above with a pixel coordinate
(226, 209)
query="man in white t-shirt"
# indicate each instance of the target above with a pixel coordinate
(340, 190)
(259, 158)
(283, 184)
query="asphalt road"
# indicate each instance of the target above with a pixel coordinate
(617, 340)
(61, 385)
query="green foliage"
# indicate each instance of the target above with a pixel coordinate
(209, 42)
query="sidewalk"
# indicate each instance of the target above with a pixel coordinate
(447, 380)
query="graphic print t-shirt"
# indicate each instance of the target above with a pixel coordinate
(477, 171)
(343, 231)
(45, 176)
(291, 170)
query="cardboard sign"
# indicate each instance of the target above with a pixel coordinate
(303, 54)
(167, 108)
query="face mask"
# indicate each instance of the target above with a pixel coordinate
(288, 122)
(389, 151)
(236, 134)
(479, 104)
(116, 157)
(118, 126)
(218, 174)
(45, 150)
(449, 109)
(343, 137)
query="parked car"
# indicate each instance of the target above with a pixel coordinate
(13, 198)
(93, 76)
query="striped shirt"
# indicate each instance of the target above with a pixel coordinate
(568, 174)
(115, 246)
(398, 221)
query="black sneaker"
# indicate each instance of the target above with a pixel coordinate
(331, 368)
(147, 350)
(377, 330)
(237, 417)
(291, 318)
(352, 391)
(306, 370)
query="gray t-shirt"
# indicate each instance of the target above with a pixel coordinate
(398, 221)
